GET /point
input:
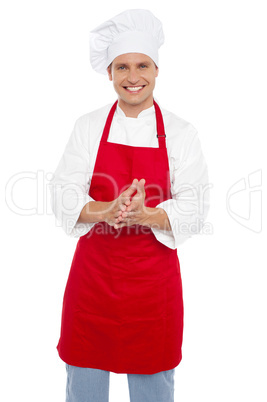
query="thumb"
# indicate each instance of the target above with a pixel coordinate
(140, 186)
(132, 189)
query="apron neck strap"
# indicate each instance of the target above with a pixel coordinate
(160, 125)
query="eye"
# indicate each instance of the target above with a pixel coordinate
(121, 68)
(143, 66)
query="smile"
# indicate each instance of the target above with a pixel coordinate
(134, 89)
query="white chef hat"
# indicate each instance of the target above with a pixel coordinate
(133, 31)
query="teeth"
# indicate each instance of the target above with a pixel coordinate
(133, 89)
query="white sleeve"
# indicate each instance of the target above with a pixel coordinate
(188, 208)
(69, 185)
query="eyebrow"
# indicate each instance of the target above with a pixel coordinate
(148, 63)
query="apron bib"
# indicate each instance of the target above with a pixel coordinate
(123, 305)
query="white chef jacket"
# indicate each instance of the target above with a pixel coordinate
(70, 184)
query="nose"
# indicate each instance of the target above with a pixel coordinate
(133, 76)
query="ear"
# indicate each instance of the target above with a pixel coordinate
(157, 71)
(109, 72)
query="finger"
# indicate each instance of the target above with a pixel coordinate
(129, 208)
(134, 205)
(141, 186)
(124, 216)
(122, 208)
(142, 181)
(130, 190)
(130, 215)
(119, 225)
(121, 218)
(117, 214)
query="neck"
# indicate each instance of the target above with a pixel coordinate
(134, 110)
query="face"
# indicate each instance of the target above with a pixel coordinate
(133, 76)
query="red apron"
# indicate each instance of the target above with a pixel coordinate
(123, 304)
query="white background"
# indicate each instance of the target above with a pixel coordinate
(213, 74)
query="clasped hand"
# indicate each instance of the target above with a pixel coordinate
(125, 211)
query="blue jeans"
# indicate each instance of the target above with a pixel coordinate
(92, 385)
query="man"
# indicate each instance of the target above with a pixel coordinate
(123, 186)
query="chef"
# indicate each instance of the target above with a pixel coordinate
(131, 185)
